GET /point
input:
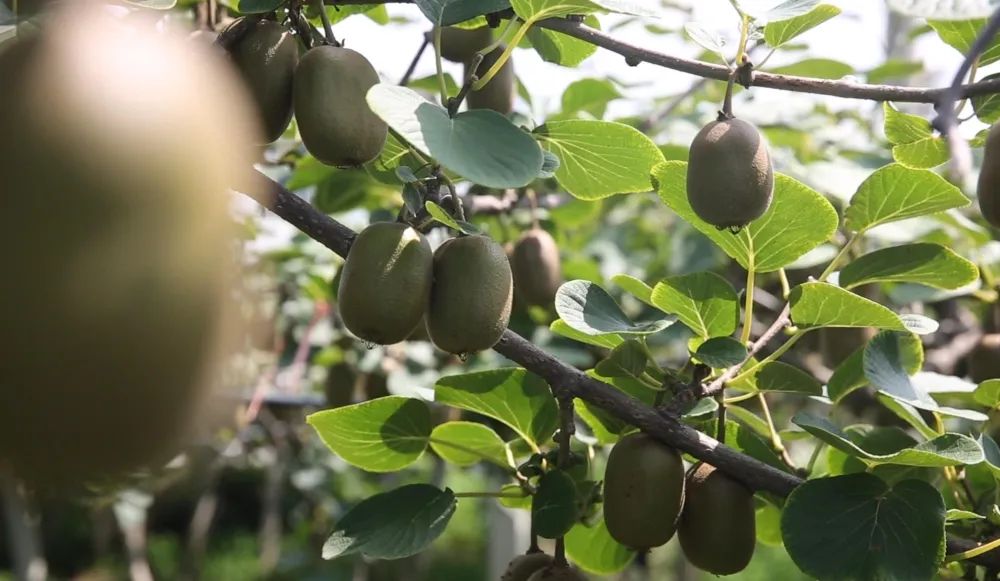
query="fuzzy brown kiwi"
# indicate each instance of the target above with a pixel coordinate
(717, 529)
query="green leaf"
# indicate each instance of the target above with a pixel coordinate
(626, 360)
(820, 304)
(925, 263)
(944, 450)
(605, 427)
(553, 508)
(955, 515)
(896, 192)
(381, 435)
(923, 154)
(519, 399)
(556, 47)
(857, 527)
(908, 414)
(704, 301)
(798, 220)
(944, 9)
(439, 214)
(786, 10)
(988, 393)
(705, 38)
(778, 32)
(600, 158)
(634, 287)
(850, 374)
(779, 376)
(589, 309)
(884, 368)
(593, 550)
(991, 453)
(590, 95)
(743, 439)
(447, 12)
(481, 145)
(607, 341)
(894, 69)
(721, 352)
(818, 68)
(987, 107)
(394, 524)
(467, 443)
(902, 127)
(961, 34)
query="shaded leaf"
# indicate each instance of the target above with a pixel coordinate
(704, 301)
(589, 309)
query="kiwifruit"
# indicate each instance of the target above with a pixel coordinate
(386, 282)
(536, 267)
(984, 360)
(643, 491)
(118, 147)
(471, 298)
(337, 126)
(498, 94)
(266, 57)
(522, 567)
(988, 187)
(717, 529)
(555, 573)
(341, 380)
(461, 44)
(729, 175)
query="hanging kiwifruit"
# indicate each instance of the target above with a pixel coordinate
(988, 188)
(337, 126)
(984, 360)
(643, 491)
(498, 94)
(461, 44)
(523, 566)
(340, 384)
(471, 298)
(536, 267)
(386, 282)
(118, 147)
(557, 573)
(717, 529)
(729, 175)
(266, 56)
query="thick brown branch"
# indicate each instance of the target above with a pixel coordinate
(666, 428)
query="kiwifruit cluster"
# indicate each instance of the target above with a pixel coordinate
(648, 497)
(537, 268)
(461, 45)
(730, 179)
(392, 282)
(326, 89)
(114, 307)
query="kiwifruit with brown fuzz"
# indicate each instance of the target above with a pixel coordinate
(471, 298)
(459, 45)
(523, 566)
(118, 148)
(337, 126)
(984, 360)
(717, 529)
(386, 282)
(988, 187)
(536, 266)
(339, 386)
(643, 491)
(498, 94)
(556, 573)
(730, 180)
(266, 57)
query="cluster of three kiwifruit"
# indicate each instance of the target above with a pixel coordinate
(460, 45)
(326, 88)
(648, 497)
(392, 281)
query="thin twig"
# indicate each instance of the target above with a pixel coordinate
(719, 383)
(413, 63)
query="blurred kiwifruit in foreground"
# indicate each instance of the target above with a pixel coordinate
(461, 44)
(536, 267)
(118, 147)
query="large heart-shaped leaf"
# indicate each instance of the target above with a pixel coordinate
(896, 192)
(513, 396)
(798, 220)
(704, 301)
(381, 435)
(858, 527)
(923, 262)
(394, 524)
(589, 309)
(962, 32)
(480, 145)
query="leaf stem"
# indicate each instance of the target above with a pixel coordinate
(442, 87)
(741, 397)
(840, 256)
(777, 353)
(776, 442)
(493, 70)
(971, 553)
(785, 287)
(748, 304)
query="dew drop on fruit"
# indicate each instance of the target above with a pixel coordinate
(463, 357)
(369, 345)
